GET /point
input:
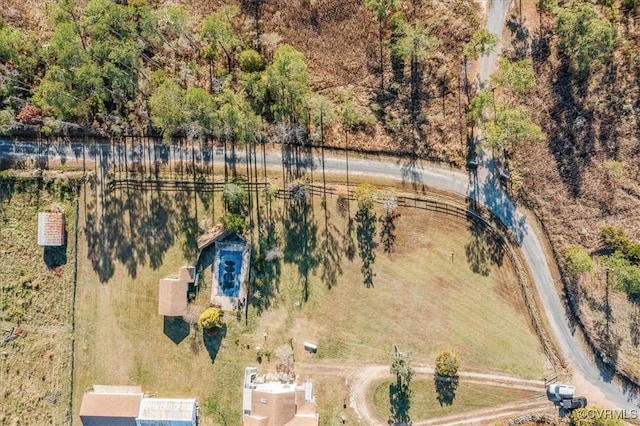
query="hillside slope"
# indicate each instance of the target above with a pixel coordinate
(585, 176)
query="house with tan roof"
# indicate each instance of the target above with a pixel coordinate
(111, 406)
(172, 295)
(275, 403)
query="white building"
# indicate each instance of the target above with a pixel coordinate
(274, 403)
(167, 412)
(127, 406)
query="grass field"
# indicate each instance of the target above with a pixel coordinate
(468, 397)
(420, 300)
(35, 368)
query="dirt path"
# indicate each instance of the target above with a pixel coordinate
(361, 377)
(490, 415)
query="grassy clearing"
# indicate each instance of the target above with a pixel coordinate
(424, 402)
(35, 368)
(420, 300)
(121, 339)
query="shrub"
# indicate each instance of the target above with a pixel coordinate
(613, 168)
(263, 353)
(578, 260)
(269, 192)
(250, 61)
(211, 318)
(299, 192)
(365, 196)
(30, 115)
(233, 223)
(633, 254)
(235, 196)
(6, 117)
(627, 275)
(614, 239)
(447, 363)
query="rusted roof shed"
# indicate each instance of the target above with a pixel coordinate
(211, 236)
(50, 229)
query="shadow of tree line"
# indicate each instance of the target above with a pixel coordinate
(136, 228)
(365, 232)
(266, 265)
(301, 237)
(485, 248)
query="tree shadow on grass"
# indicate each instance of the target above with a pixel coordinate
(266, 266)
(135, 227)
(387, 233)
(213, 342)
(188, 224)
(348, 242)
(330, 257)
(158, 229)
(99, 248)
(485, 247)
(445, 389)
(365, 233)
(176, 329)
(477, 257)
(301, 241)
(400, 404)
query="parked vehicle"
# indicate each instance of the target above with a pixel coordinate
(573, 403)
(557, 392)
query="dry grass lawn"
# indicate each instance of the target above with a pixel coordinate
(468, 397)
(34, 369)
(420, 300)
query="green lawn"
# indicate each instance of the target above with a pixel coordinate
(425, 405)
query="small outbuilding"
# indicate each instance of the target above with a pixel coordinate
(211, 236)
(167, 412)
(111, 406)
(172, 297)
(50, 229)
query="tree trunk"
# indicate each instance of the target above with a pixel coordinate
(249, 181)
(414, 87)
(324, 178)
(226, 173)
(381, 59)
(346, 155)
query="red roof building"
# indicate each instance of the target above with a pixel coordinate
(50, 229)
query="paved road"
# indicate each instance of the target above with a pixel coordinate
(482, 186)
(487, 191)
